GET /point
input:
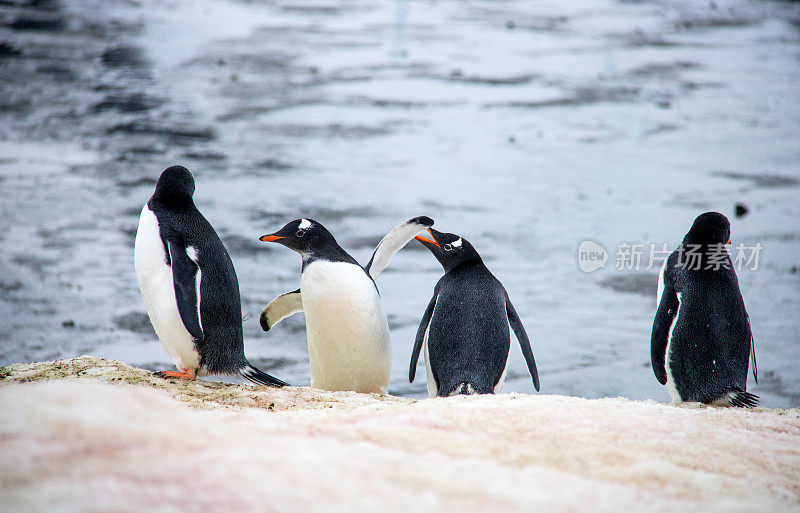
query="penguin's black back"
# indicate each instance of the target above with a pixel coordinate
(710, 343)
(469, 336)
(181, 223)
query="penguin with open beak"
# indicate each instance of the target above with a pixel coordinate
(346, 327)
(464, 333)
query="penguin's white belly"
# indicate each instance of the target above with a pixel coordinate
(433, 389)
(158, 294)
(348, 335)
(671, 388)
(498, 387)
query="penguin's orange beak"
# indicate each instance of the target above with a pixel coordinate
(432, 240)
(729, 241)
(270, 238)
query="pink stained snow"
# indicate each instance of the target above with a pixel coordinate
(92, 445)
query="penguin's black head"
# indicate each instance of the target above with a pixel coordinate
(709, 228)
(449, 249)
(302, 235)
(175, 185)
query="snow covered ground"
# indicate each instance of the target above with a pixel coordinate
(97, 435)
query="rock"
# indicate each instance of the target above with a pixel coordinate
(138, 322)
(643, 283)
(53, 23)
(9, 50)
(96, 435)
(123, 55)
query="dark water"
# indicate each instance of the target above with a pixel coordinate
(526, 127)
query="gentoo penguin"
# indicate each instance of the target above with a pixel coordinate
(701, 340)
(465, 331)
(189, 286)
(346, 328)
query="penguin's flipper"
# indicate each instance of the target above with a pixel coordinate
(524, 343)
(393, 242)
(667, 310)
(281, 307)
(420, 338)
(752, 351)
(186, 277)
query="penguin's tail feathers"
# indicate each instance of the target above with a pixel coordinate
(464, 388)
(742, 399)
(250, 373)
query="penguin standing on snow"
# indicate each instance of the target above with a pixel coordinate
(465, 329)
(189, 286)
(346, 328)
(701, 341)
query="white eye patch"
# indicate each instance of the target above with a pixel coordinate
(304, 224)
(457, 243)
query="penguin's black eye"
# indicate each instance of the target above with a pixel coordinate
(448, 247)
(300, 233)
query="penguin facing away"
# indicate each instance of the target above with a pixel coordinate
(701, 341)
(464, 333)
(189, 285)
(347, 331)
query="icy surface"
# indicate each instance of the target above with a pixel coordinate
(526, 127)
(98, 435)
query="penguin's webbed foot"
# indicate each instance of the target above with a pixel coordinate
(187, 374)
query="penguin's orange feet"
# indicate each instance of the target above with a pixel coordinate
(188, 374)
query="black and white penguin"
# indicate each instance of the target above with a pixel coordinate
(346, 328)
(464, 332)
(701, 341)
(189, 286)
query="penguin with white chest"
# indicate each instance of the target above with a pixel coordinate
(189, 286)
(701, 342)
(464, 333)
(346, 327)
